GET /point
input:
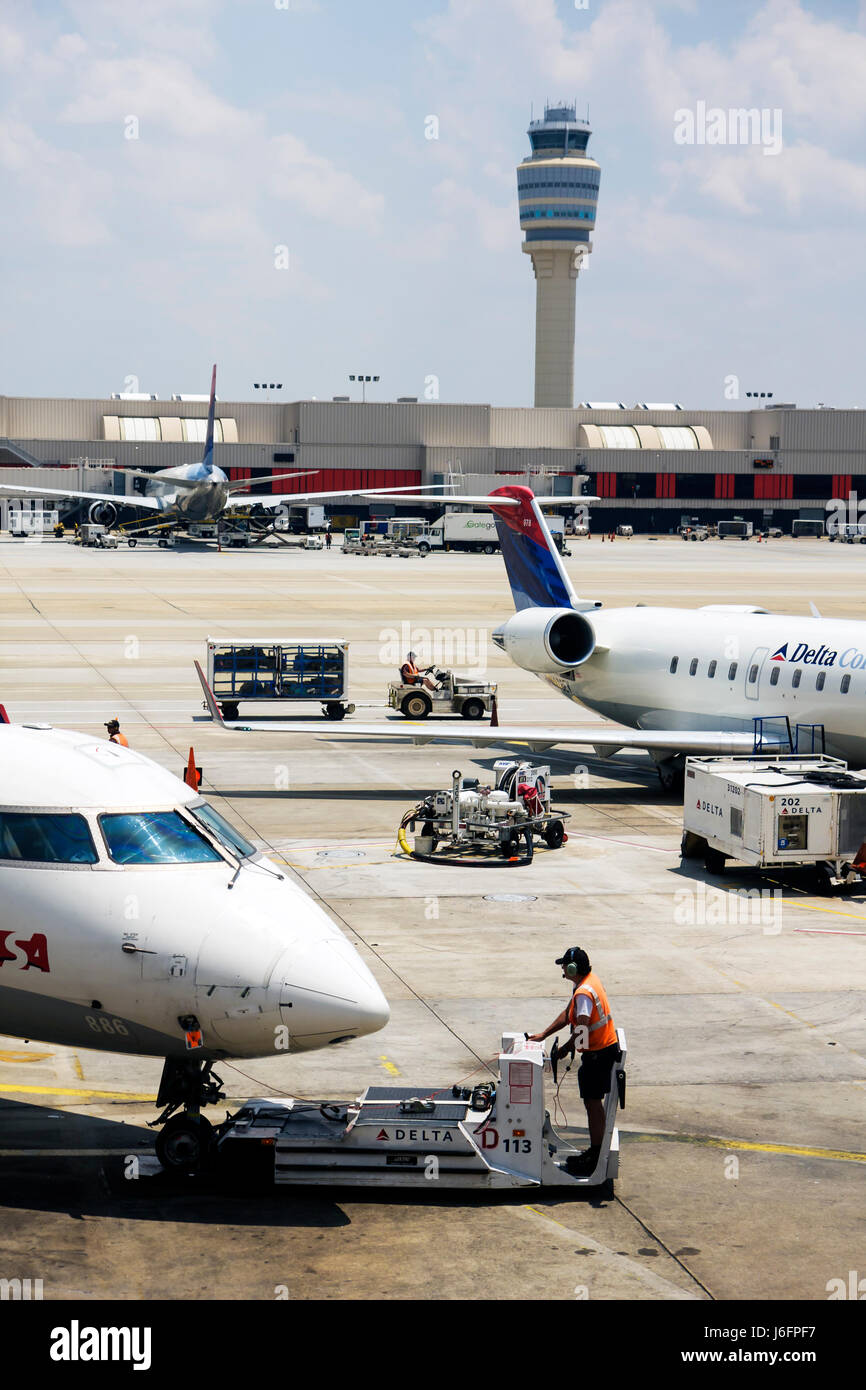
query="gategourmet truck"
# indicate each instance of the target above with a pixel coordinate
(475, 531)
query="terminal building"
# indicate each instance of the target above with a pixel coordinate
(651, 465)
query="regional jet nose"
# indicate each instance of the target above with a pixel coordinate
(327, 994)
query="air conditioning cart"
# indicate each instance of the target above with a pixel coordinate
(773, 811)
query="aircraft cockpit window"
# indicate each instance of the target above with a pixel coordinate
(46, 839)
(221, 830)
(155, 837)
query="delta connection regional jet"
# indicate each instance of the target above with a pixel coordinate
(683, 680)
(198, 492)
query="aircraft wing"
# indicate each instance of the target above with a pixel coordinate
(605, 739)
(271, 501)
(147, 504)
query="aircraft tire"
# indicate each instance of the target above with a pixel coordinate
(184, 1143)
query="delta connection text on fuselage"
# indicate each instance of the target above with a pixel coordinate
(851, 658)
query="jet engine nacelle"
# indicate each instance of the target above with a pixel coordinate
(547, 640)
(103, 514)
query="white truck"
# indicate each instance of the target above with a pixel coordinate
(475, 531)
(31, 521)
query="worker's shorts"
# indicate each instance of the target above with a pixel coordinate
(593, 1077)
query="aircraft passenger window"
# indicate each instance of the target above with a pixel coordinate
(753, 673)
(711, 669)
(796, 678)
(155, 837)
(820, 679)
(220, 828)
(693, 668)
(46, 839)
(774, 676)
(675, 661)
(846, 684)
(732, 671)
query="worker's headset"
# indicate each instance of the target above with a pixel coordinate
(570, 966)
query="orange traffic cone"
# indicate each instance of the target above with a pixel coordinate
(192, 774)
(494, 714)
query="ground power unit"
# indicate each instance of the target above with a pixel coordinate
(769, 812)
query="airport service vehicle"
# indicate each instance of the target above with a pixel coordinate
(777, 811)
(850, 533)
(495, 1135)
(476, 531)
(259, 670)
(695, 532)
(735, 530)
(665, 676)
(91, 533)
(806, 526)
(456, 695)
(191, 491)
(27, 521)
(302, 519)
(627, 531)
(136, 919)
(470, 818)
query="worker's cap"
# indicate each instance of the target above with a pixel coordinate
(575, 955)
(411, 656)
(113, 724)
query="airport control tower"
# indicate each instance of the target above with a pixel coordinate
(557, 188)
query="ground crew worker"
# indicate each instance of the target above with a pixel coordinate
(114, 734)
(411, 675)
(594, 1036)
(328, 540)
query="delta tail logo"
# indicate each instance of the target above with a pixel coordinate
(781, 653)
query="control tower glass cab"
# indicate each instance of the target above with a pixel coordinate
(557, 190)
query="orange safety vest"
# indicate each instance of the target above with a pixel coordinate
(119, 738)
(410, 673)
(601, 1030)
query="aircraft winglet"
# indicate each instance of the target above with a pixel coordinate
(210, 699)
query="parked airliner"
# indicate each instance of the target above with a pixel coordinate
(192, 492)
(682, 680)
(134, 918)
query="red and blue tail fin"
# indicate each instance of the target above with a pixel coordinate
(535, 570)
(207, 461)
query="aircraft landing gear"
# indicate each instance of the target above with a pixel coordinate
(185, 1141)
(672, 775)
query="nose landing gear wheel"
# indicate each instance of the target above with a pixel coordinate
(184, 1143)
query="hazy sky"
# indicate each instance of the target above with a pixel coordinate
(302, 124)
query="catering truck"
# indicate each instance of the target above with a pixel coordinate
(475, 531)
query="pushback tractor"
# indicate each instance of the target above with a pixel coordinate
(494, 1135)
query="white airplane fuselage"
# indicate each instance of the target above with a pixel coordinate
(108, 953)
(757, 657)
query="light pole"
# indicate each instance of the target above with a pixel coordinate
(363, 380)
(267, 387)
